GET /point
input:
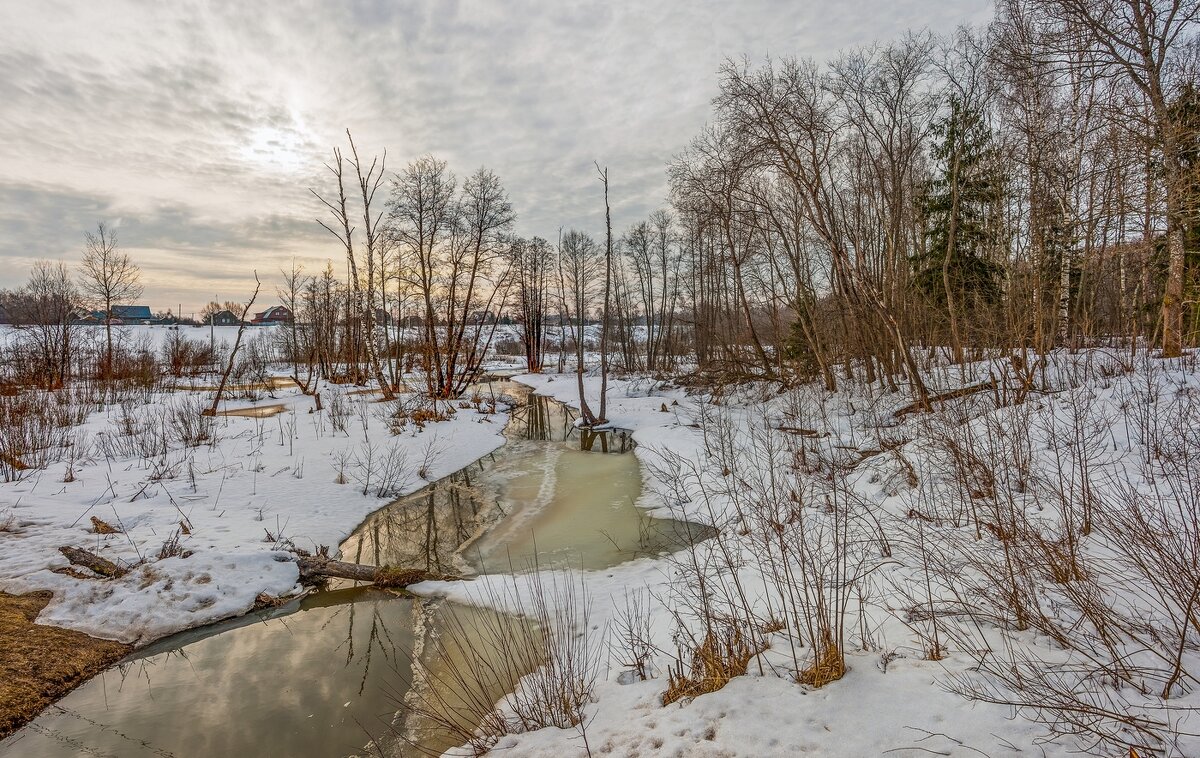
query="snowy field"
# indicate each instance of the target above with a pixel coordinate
(234, 502)
(895, 698)
(1092, 428)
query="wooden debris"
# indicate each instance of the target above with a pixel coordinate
(321, 567)
(801, 432)
(88, 560)
(951, 395)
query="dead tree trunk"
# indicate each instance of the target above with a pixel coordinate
(101, 566)
(321, 567)
(237, 343)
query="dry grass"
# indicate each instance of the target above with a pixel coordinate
(720, 657)
(829, 666)
(99, 526)
(39, 664)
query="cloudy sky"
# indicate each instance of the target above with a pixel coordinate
(196, 128)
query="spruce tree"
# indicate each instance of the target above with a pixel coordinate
(958, 208)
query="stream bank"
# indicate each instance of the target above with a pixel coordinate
(324, 675)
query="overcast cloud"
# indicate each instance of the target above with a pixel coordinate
(197, 128)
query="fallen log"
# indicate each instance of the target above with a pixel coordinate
(101, 566)
(801, 431)
(313, 567)
(951, 395)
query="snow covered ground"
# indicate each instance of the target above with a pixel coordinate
(895, 698)
(935, 489)
(234, 502)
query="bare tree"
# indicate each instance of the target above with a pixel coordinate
(107, 277)
(360, 312)
(43, 310)
(369, 183)
(453, 245)
(1140, 41)
(531, 262)
(608, 278)
(237, 343)
(578, 272)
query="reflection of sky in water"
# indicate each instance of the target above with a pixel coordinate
(310, 683)
(318, 681)
(548, 494)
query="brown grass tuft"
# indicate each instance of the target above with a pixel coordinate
(99, 526)
(720, 657)
(829, 666)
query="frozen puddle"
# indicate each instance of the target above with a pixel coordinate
(322, 676)
(258, 411)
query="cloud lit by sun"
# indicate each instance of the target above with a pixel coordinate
(273, 148)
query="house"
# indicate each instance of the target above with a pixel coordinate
(126, 314)
(84, 317)
(278, 314)
(223, 318)
(383, 318)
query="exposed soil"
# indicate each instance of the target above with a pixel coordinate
(39, 664)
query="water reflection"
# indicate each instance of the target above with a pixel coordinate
(320, 678)
(323, 676)
(553, 495)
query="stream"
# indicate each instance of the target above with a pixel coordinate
(322, 676)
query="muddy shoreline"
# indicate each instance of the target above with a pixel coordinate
(40, 664)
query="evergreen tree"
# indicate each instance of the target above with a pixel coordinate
(1185, 115)
(958, 209)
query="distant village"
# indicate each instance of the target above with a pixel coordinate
(142, 315)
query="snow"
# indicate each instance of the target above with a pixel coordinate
(260, 485)
(265, 482)
(893, 698)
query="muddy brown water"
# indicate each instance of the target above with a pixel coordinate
(322, 676)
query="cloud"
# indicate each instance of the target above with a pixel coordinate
(203, 126)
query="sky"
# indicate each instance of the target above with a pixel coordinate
(196, 129)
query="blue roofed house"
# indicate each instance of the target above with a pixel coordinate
(128, 314)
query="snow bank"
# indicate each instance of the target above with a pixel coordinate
(260, 485)
(894, 698)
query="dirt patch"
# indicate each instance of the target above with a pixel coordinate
(40, 664)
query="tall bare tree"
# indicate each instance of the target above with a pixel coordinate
(107, 277)
(608, 281)
(532, 260)
(43, 310)
(361, 310)
(579, 271)
(1140, 41)
(452, 244)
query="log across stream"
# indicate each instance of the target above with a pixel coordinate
(322, 676)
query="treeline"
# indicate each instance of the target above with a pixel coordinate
(1031, 184)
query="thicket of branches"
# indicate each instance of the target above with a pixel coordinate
(1032, 184)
